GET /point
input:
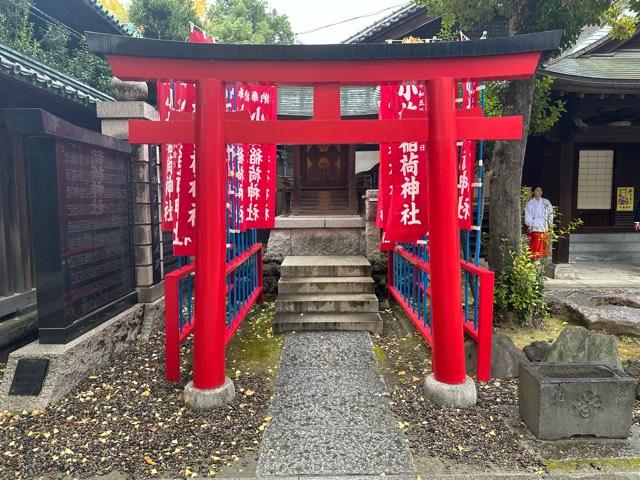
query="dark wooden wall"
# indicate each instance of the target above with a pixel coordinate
(16, 271)
(542, 167)
(626, 173)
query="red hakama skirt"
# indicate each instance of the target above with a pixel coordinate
(538, 244)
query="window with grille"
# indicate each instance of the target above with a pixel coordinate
(595, 177)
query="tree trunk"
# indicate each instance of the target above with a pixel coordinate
(506, 177)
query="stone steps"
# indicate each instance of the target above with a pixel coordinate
(325, 266)
(322, 321)
(325, 285)
(326, 293)
(327, 302)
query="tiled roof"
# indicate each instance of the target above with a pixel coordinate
(596, 67)
(590, 37)
(24, 69)
(396, 16)
(584, 64)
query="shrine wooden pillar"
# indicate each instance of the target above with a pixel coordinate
(211, 181)
(444, 240)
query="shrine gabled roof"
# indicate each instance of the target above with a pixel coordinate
(111, 18)
(397, 16)
(143, 47)
(598, 63)
(80, 15)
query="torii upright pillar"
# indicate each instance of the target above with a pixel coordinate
(449, 384)
(210, 388)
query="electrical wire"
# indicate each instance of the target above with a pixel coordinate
(351, 19)
(45, 17)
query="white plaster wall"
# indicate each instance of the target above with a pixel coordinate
(366, 160)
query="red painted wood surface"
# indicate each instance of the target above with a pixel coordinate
(173, 335)
(326, 101)
(211, 129)
(444, 241)
(359, 72)
(303, 132)
(211, 184)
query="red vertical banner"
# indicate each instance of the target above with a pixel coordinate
(181, 163)
(258, 161)
(466, 167)
(403, 208)
(466, 163)
(389, 108)
(185, 179)
(407, 219)
(168, 161)
(197, 35)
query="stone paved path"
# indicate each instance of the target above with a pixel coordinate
(616, 312)
(331, 412)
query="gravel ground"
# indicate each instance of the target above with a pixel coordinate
(448, 440)
(127, 418)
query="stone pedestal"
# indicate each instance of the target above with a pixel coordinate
(566, 400)
(372, 233)
(561, 271)
(197, 399)
(372, 237)
(145, 185)
(462, 395)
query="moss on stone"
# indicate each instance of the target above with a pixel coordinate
(610, 464)
(379, 352)
(255, 348)
(628, 347)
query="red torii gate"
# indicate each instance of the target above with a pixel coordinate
(326, 67)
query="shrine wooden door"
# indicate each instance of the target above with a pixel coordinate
(324, 180)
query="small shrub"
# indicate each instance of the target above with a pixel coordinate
(519, 288)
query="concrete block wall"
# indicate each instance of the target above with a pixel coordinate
(605, 247)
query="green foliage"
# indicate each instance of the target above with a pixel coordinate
(116, 8)
(525, 16)
(16, 31)
(558, 232)
(165, 19)
(525, 196)
(248, 21)
(545, 112)
(519, 287)
(623, 25)
(87, 67)
(54, 47)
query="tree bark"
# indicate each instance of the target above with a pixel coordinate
(506, 177)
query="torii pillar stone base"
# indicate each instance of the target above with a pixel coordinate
(462, 395)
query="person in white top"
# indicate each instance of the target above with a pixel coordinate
(538, 217)
(636, 218)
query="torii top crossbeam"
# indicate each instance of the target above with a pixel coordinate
(501, 58)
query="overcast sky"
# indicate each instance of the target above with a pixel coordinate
(306, 15)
